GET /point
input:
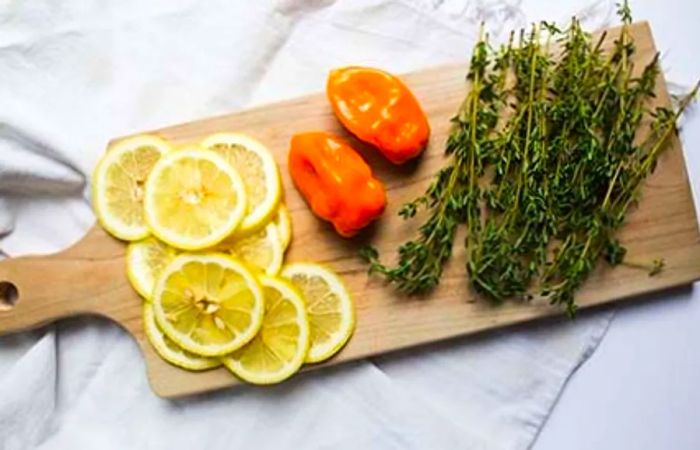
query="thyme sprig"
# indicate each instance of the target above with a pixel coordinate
(545, 161)
(453, 196)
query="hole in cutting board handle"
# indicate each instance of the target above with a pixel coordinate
(8, 295)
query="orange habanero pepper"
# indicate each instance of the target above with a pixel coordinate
(335, 181)
(379, 109)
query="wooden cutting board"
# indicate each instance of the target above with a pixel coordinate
(89, 278)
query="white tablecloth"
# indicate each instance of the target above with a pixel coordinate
(75, 73)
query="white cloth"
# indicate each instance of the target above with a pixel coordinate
(78, 72)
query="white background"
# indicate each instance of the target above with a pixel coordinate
(641, 389)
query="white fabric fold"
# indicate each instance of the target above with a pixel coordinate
(78, 72)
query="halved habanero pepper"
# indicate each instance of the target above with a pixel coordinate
(336, 182)
(379, 109)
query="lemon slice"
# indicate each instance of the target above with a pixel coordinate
(118, 185)
(145, 260)
(328, 306)
(169, 350)
(209, 304)
(279, 349)
(194, 199)
(263, 249)
(284, 225)
(259, 173)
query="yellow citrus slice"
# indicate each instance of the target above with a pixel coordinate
(284, 225)
(257, 169)
(169, 350)
(118, 185)
(329, 308)
(279, 349)
(145, 260)
(263, 249)
(209, 304)
(194, 199)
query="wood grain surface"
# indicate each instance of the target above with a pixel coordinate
(89, 278)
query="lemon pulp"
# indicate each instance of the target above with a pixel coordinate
(209, 304)
(194, 199)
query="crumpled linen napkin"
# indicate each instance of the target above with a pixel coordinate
(78, 72)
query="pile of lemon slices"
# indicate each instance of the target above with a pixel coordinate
(207, 236)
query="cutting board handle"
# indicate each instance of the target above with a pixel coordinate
(37, 290)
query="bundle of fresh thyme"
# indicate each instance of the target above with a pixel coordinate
(545, 161)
